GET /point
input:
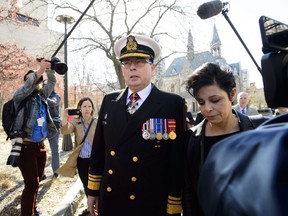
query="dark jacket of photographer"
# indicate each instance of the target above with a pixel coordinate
(27, 115)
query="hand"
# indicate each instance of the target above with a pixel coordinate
(64, 119)
(44, 65)
(92, 203)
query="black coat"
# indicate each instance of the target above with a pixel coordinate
(247, 174)
(131, 175)
(194, 162)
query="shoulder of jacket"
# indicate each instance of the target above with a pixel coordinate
(246, 122)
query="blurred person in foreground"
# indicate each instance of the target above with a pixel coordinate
(214, 89)
(137, 157)
(32, 123)
(83, 127)
(247, 174)
(243, 105)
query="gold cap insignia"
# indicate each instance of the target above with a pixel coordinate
(131, 43)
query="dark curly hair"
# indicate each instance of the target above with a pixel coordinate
(210, 74)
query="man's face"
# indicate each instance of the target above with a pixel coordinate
(243, 100)
(137, 73)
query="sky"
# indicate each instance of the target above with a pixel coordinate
(244, 15)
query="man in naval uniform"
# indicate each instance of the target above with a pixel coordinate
(136, 163)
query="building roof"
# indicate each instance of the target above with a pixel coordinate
(198, 59)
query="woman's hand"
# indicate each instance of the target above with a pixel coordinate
(64, 119)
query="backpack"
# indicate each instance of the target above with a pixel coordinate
(9, 114)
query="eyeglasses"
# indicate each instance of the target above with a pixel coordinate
(138, 63)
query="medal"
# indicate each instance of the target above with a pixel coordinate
(172, 135)
(152, 130)
(159, 129)
(145, 133)
(152, 135)
(165, 134)
(158, 136)
(172, 128)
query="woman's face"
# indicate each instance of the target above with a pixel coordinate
(214, 103)
(86, 108)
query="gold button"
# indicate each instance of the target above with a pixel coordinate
(112, 153)
(133, 179)
(110, 171)
(109, 189)
(132, 197)
(135, 159)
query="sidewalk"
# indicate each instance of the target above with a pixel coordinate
(61, 196)
(72, 201)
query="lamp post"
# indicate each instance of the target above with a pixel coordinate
(66, 19)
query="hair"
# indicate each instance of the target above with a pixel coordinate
(82, 101)
(241, 93)
(210, 74)
(26, 75)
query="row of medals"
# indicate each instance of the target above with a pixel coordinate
(152, 135)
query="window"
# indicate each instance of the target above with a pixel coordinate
(22, 18)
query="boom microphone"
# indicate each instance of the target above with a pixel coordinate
(209, 9)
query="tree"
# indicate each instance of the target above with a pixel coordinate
(107, 21)
(14, 63)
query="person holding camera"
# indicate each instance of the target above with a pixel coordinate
(83, 127)
(30, 131)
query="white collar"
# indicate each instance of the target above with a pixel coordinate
(143, 94)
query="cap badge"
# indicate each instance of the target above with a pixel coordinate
(131, 43)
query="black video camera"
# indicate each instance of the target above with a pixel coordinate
(60, 67)
(274, 62)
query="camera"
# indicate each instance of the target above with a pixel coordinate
(14, 156)
(74, 111)
(274, 62)
(60, 67)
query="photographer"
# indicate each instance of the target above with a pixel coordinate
(30, 131)
(83, 127)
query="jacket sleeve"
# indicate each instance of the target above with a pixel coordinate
(174, 203)
(191, 205)
(97, 155)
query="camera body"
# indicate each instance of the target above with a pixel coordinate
(60, 67)
(274, 62)
(73, 112)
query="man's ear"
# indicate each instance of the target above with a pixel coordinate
(153, 68)
(233, 94)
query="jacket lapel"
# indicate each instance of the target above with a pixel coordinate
(119, 115)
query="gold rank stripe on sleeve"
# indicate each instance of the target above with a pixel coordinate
(94, 182)
(174, 205)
